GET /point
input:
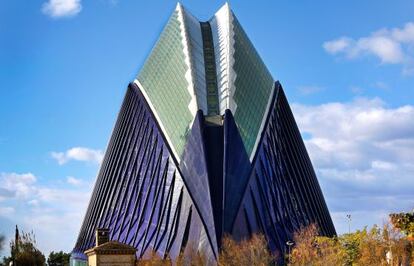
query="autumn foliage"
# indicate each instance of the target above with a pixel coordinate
(374, 247)
(389, 245)
(253, 251)
(405, 222)
(311, 249)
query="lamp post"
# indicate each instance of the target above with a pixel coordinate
(289, 243)
(349, 222)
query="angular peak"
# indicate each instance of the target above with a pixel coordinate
(211, 71)
(182, 9)
(224, 12)
(179, 6)
(225, 8)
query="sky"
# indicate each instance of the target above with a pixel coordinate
(347, 68)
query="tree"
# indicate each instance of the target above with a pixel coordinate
(373, 248)
(351, 243)
(152, 258)
(404, 221)
(58, 259)
(25, 252)
(330, 251)
(304, 252)
(6, 261)
(253, 251)
(311, 249)
(386, 246)
(190, 255)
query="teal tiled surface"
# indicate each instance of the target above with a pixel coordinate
(253, 87)
(163, 79)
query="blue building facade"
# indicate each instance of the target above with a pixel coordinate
(205, 144)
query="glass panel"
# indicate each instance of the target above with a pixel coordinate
(253, 87)
(163, 79)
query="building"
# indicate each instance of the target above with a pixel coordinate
(110, 253)
(205, 144)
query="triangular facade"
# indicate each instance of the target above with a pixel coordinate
(210, 66)
(205, 145)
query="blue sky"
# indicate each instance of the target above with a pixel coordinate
(347, 68)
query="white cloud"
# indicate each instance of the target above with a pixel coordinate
(337, 45)
(17, 185)
(62, 8)
(391, 46)
(78, 154)
(32, 205)
(404, 35)
(73, 181)
(363, 153)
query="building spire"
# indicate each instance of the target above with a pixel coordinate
(178, 6)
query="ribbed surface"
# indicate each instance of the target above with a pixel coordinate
(195, 45)
(163, 78)
(148, 201)
(139, 194)
(283, 193)
(223, 46)
(182, 169)
(252, 87)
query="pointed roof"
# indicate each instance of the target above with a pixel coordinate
(174, 78)
(112, 247)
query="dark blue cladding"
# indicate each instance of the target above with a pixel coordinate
(283, 193)
(150, 201)
(139, 193)
(236, 170)
(195, 173)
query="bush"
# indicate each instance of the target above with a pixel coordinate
(58, 259)
(25, 252)
(311, 249)
(253, 251)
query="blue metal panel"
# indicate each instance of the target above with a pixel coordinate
(236, 169)
(195, 174)
(139, 193)
(151, 203)
(282, 192)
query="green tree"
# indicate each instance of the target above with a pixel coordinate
(58, 259)
(351, 243)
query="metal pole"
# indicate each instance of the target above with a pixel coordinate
(289, 254)
(289, 244)
(349, 222)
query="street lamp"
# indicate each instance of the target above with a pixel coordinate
(349, 223)
(289, 243)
